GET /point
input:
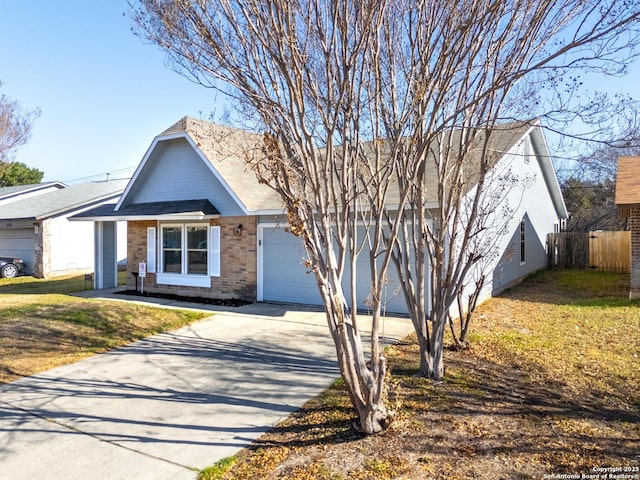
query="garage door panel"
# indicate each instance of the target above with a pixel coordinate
(392, 298)
(286, 279)
(19, 243)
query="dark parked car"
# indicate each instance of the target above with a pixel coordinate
(12, 267)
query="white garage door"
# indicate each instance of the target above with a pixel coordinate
(284, 277)
(19, 243)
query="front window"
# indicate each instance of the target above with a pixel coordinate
(197, 250)
(184, 249)
(172, 249)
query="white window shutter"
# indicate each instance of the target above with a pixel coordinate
(151, 249)
(214, 252)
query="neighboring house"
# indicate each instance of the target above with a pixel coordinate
(20, 192)
(206, 227)
(628, 203)
(34, 225)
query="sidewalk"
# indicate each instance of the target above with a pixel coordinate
(163, 407)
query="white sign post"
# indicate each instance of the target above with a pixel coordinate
(142, 272)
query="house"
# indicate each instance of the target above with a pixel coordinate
(628, 203)
(204, 226)
(34, 225)
(19, 192)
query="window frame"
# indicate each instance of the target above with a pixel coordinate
(187, 250)
(184, 278)
(523, 242)
(180, 248)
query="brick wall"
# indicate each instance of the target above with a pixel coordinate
(238, 260)
(137, 252)
(42, 249)
(634, 225)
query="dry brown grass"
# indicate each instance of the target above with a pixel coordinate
(549, 386)
(40, 330)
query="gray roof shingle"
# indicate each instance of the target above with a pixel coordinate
(20, 189)
(152, 209)
(229, 150)
(62, 201)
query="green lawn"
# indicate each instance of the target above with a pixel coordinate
(42, 326)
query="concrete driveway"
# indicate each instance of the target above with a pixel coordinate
(169, 405)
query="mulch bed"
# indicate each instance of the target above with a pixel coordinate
(229, 302)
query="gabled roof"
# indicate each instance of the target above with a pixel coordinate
(60, 202)
(17, 190)
(541, 148)
(628, 183)
(502, 141)
(226, 151)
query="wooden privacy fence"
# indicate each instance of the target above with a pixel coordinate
(609, 251)
(568, 250)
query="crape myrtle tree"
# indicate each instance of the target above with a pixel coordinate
(469, 69)
(463, 79)
(378, 120)
(301, 72)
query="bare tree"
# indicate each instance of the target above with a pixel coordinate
(15, 127)
(300, 70)
(589, 188)
(466, 68)
(381, 121)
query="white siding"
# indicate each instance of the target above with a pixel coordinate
(71, 245)
(178, 173)
(530, 202)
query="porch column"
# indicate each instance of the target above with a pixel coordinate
(106, 258)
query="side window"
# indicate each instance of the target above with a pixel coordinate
(523, 253)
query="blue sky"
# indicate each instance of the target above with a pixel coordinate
(104, 94)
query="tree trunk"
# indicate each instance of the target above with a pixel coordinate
(434, 361)
(374, 418)
(365, 384)
(373, 415)
(424, 345)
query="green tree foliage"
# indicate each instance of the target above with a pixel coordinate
(16, 173)
(591, 205)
